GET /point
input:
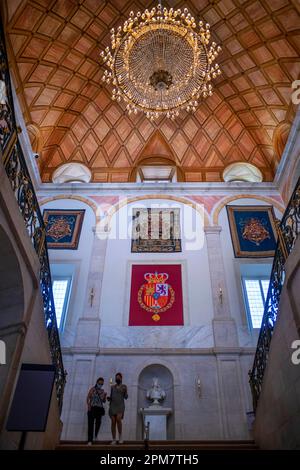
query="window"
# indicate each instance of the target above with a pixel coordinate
(255, 291)
(156, 174)
(61, 293)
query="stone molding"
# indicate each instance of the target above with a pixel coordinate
(17, 328)
(159, 351)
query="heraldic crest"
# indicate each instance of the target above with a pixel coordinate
(254, 230)
(156, 295)
(63, 227)
(59, 228)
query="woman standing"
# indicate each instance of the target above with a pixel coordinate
(95, 400)
(118, 395)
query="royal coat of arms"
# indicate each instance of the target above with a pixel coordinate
(254, 230)
(156, 295)
(63, 228)
(59, 228)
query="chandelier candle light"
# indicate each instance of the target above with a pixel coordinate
(160, 63)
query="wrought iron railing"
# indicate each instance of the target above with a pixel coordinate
(288, 229)
(14, 163)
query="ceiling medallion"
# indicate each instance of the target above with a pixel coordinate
(160, 62)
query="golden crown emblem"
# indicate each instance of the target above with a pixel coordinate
(159, 278)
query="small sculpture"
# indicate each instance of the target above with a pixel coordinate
(156, 394)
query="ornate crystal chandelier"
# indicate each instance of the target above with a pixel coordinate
(160, 63)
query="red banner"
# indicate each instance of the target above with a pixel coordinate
(156, 295)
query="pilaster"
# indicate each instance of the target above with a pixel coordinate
(224, 327)
(88, 328)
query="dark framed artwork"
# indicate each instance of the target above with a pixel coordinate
(155, 230)
(63, 227)
(253, 231)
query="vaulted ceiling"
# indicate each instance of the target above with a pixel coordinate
(54, 52)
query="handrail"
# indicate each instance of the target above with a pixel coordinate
(288, 229)
(14, 163)
(146, 434)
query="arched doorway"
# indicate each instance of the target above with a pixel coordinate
(166, 381)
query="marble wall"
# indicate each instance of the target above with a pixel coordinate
(218, 412)
(215, 345)
(115, 298)
(76, 261)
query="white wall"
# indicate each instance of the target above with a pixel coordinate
(79, 260)
(233, 273)
(114, 309)
(219, 413)
(115, 295)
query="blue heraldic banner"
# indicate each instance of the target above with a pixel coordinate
(253, 231)
(63, 228)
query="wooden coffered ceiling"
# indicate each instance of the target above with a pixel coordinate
(54, 52)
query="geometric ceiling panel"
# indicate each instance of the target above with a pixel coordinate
(54, 49)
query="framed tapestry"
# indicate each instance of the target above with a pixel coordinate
(156, 295)
(155, 230)
(253, 231)
(63, 227)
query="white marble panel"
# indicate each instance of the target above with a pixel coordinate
(156, 336)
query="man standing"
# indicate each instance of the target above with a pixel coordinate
(95, 400)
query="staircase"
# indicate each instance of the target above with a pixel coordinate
(170, 446)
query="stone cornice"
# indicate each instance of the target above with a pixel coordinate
(213, 229)
(158, 351)
(46, 189)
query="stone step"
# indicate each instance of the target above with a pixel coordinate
(161, 445)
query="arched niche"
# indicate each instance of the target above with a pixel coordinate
(183, 200)
(166, 381)
(11, 305)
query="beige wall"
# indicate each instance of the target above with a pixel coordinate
(277, 423)
(22, 325)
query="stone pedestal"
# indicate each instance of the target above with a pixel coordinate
(157, 417)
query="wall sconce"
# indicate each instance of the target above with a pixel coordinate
(92, 295)
(198, 386)
(220, 295)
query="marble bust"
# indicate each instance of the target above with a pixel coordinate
(156, 394)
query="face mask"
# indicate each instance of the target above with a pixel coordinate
(99, 385)
(118, 381)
